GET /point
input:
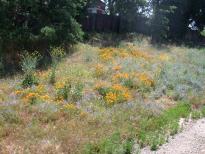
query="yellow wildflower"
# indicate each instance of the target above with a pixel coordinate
(18, 92)
(117, 68)
(111, 98)
(70, 106)
(146, 79)
(45, 97)
(118, 87)
(164, 57)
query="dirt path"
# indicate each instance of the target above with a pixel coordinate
(190, 141)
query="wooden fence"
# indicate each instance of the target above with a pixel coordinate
(100, 23)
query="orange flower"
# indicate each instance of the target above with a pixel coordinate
(111, 98)
(117, 68)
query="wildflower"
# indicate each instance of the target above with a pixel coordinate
(70, 106)
(118, 87)
(18, 92)
(106, 54)
(45, 97)
(59, 85)
(40, 89)
(120, 76)
(111, 98)
(164, 57)
(127, 95)
(117, 68)
(146, 79)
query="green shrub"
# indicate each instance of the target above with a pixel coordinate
(56, 54)
(153, 130)
(48, 33)
(196, 114)
(203, 32)
(63, 93)
(76, 91)
(29, 63)
(203, 111)
(52, 76)
(112, 145)
(55, 23)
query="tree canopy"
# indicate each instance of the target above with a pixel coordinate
(25, 21)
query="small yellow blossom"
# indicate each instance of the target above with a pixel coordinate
(18, 92)
(117, 68)
(70, 106)
(111, 98)
(164, 57)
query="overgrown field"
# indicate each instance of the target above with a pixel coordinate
(102, 100)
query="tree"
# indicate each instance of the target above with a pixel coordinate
(171, 18)
(26, 22)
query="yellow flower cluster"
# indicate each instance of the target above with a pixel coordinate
(60, 85)
(118, 87)
(30, 97)
(120, 76)
(106, 54)
(145, 79)
(111, 98)
(114, 94)
(70, 106)
(30, 94)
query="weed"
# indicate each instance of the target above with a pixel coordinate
(113, 145)
(28, 63)
(196, 114)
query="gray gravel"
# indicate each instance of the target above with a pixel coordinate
(190, 141)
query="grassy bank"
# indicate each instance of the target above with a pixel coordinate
(104, 100)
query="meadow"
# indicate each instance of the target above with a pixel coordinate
(114, 99)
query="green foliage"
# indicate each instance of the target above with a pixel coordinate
(48, 33)
(153, 130)
(76, 92)
(52, 76)
(56, 55)
(203, 32)
(196, 114)
(112, 145)
(29, 63)
(63, 93)
(70, 91)
(203, 111)
(24, 23)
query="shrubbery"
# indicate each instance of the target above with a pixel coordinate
(29, 63)
(34, 25)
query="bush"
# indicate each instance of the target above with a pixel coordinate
(48, 33)
(38, 24)
(56, 54)
(69, 91)
(29, 63)
(112, 145)
(196, 114)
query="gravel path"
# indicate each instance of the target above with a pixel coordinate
(190, 141)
